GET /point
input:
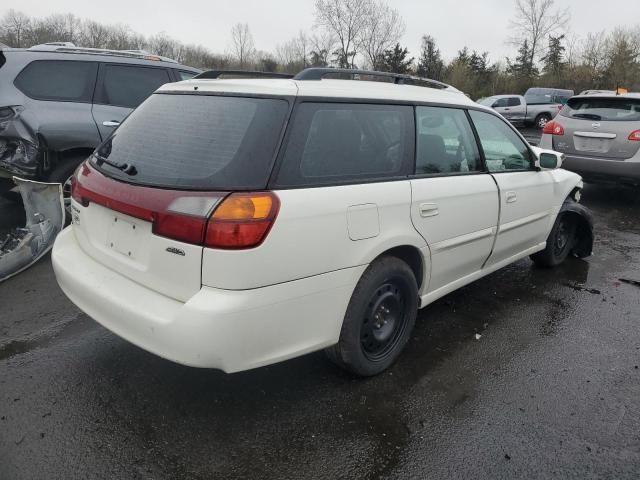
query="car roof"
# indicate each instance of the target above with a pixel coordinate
(326, 88)
(633, 95)
(33, 53)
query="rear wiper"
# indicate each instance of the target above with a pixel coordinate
(589, 116)
(126, 168)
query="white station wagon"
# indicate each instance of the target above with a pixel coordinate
(232, 223)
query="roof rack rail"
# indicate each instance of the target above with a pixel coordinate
(398, 78)
(211, 74)
(68, 47)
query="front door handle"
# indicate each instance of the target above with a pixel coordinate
(511, 197)
(428, 209)
(111, 123)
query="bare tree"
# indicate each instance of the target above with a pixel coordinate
(242, 43)
(534, 21)
(94, 35)
(383, 29)
(346, 19)
(322, 44)
(15, 29)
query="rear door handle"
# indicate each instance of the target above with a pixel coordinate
(110, 123)
(428, 209)
(511, 197)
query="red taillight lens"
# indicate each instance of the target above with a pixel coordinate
(177, 214)
(635, 136)
(242, 220)
(553, 128)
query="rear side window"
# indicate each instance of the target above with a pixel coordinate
(66, 81)
(342, 143)
(619, 109)
(198, 142)
(129, 86)
(513, 102)
(445, 142)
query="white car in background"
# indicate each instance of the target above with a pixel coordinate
(234, 223)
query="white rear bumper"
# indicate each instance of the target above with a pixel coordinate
(232, 330)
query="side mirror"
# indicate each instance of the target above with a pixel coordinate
(549, 160)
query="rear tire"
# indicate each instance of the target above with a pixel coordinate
(560, 243)
(542, 120)
(379, 319)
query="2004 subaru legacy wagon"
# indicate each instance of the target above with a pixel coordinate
(234, 223)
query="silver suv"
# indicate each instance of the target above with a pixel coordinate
(600, 136)
(58, 102)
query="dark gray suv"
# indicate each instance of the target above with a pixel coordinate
(58, 102)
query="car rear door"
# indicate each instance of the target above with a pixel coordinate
(516, 109)
(120, 89)
(454, 204)
(526, 196)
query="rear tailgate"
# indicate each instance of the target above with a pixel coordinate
(599, 127)
(127, 244)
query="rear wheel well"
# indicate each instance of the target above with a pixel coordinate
(412, 257)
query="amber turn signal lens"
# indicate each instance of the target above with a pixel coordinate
(243, 207)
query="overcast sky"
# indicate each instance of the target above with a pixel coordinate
(481, 25)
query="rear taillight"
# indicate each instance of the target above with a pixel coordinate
(241, 220)
(553, 128)
(635, 136)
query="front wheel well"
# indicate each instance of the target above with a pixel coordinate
(412, 257)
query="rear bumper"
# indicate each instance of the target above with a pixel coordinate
(230, 330)
(598, 169)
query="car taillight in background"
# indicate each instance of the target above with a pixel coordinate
(635, 136)
(212, 219)
(553, 128)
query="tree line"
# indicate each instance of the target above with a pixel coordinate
(367, 34)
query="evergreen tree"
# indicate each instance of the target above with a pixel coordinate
(395, 60)
(523, 66)
(554, 59)
(430, 64)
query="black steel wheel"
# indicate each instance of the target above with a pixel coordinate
(560, 243)
(379, 319)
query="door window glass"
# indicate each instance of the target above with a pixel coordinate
(503, 148)
(128, 86)
(500, 103)
(445, 142)
(67, 81)
(513, 102)
(338, 143)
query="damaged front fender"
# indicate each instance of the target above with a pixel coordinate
(24, 246)
(583, 219)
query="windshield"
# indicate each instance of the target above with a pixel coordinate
(615, 109)
(196, 142)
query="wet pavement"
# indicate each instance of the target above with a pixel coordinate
(550, 390)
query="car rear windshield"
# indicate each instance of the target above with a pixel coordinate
(617, 109)
(198, 142)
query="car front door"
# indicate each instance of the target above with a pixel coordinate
(454, 201)
(120, 89)
(526, 195)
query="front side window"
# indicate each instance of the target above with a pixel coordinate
(183, 75)
(341, 143)
(500, 103)
(503, 149)
(445, 142)
(128, 86)
(67, 81)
